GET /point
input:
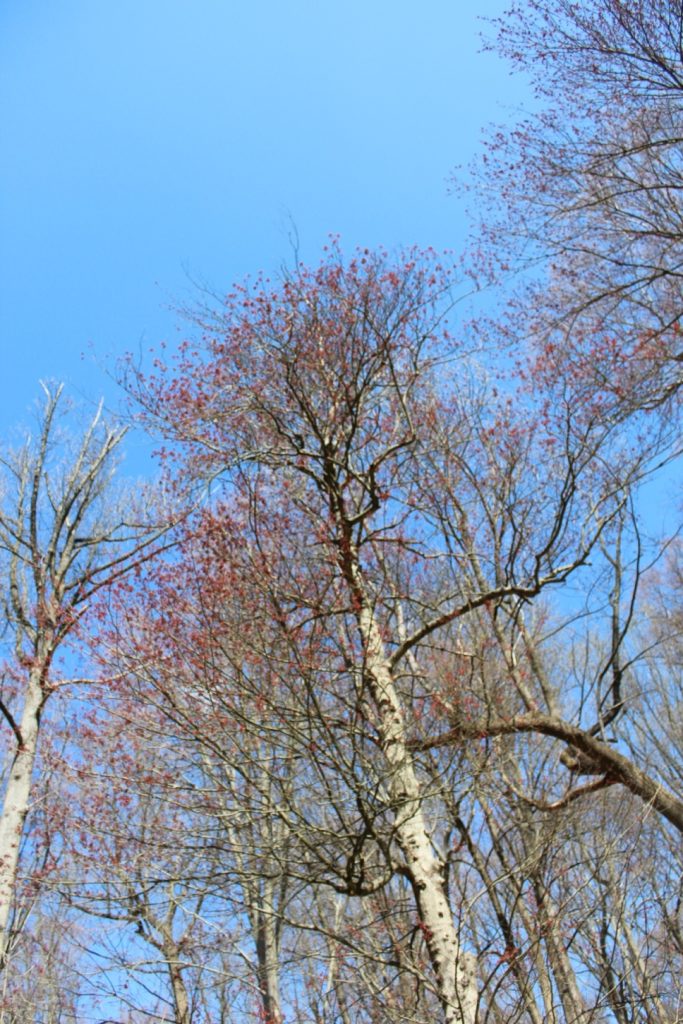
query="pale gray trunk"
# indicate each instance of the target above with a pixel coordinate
(170, 951)
(657, 1013)
(573, 1006)
(267, 950)
(517, 966)
(263, 895)
(453, 968)
(530, 925)
(544, 982)
(181, 1002)
(16, 805)
(335, 983)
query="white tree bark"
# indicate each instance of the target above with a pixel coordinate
(16, 803)
(454, 968)
(62, 539)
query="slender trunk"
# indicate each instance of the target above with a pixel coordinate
(609, 979)
(454, 969)
(573, 1006)
(159, 934)
(534, 951)
(168, 947)
(268, 965)
(517, 967)
(16, 804)
(264, 889)
(656, 1012)
(334, 982)
(181, 1002)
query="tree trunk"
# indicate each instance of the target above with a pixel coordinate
(453, 968)
(181, 1002)
(268, 966)
(16, 804)
(573, 1006)
(517, 967)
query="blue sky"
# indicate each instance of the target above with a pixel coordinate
(149, 143)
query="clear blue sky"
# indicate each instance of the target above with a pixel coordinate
(146, 142)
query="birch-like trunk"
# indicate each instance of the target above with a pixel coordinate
(453, 968)
(16, 804)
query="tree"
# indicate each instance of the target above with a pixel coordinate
(385, 521)
(587, 189)
(63, 539)
(142, 856)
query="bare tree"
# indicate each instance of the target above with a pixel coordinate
(587, 189)
(63, 538)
